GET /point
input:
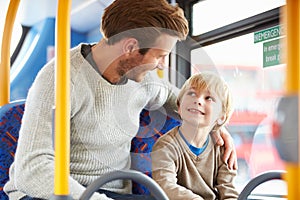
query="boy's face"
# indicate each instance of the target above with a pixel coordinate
(201, 108)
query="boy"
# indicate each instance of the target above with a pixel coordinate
(185, 162)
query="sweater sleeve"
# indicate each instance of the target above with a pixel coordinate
(164, 170)
(164, 96)
(170, 104)
(34, 160)
(225, 181)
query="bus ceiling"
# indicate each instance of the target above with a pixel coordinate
(85, 14)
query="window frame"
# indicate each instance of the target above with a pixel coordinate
(257, 22)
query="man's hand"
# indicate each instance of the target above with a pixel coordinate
(222, 137)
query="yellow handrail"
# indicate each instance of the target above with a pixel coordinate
(62, 102)
(291, 20)
(5, 52)
(292, 27)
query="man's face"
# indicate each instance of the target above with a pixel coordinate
(136, 66)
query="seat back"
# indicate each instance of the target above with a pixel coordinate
(153, 124)
(10, 122)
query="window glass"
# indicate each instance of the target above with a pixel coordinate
(212, 14)
(256, 75)
(17, 30)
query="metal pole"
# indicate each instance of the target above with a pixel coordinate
(5, 52)
(62, 102)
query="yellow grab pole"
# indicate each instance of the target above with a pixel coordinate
(292, 28)
(5, 52)
(62, 101)
(291, 20)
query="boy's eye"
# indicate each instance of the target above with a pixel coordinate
(190, 93)
(210, 98)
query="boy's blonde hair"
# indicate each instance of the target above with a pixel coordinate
(214, 83)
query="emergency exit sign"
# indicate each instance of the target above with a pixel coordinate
(271, 53)
(268, 34)
(271, 46)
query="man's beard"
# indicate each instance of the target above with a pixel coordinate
(128, 65)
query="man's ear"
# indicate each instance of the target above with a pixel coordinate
(130, 45)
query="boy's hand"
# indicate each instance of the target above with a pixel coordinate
(223, 137)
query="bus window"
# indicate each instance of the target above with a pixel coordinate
(221, 13)
(17, 30)
(256, 86)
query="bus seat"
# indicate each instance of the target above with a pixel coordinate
(10, 122)
(153, 124)
(150, 130)
(36, 51)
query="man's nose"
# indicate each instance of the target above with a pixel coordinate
(161, 66)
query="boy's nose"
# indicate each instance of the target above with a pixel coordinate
(199, 101)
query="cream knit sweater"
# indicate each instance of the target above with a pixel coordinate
(104, 119)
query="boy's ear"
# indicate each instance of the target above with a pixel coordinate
(221, 120)
(178, 109)
(130, 45)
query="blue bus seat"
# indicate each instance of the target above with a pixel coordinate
(34, 54)
(153, 124)
(10, 122)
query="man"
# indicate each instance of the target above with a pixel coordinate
(110, 85)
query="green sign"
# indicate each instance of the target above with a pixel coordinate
(271, 53)
(268, 34)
